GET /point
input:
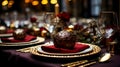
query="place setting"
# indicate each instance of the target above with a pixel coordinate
(63, 47)
(71, 42)
(20, 38)
(4, 32)
(42, 51)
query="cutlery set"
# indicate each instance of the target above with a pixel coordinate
(84, 63)
(81, 63)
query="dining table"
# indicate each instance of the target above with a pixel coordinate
(13, 57)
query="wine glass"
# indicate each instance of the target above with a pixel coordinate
(107, 19)
(108, 25)
(48, 17)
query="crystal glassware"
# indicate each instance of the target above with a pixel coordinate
(108, 26)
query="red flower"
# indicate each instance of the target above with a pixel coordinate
(64, 16)
(78, 27)
(33, 19)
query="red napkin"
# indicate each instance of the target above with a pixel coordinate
(11, 39)
(10, 31)
(78, 47)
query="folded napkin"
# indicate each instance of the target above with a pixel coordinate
(11, 39)
(10, 31)
(78, 47)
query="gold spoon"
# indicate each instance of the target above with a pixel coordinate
(83, 63)
(103, 58)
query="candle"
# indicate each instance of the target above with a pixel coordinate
(56, 9)
(43, 33)
(36, 29)
(70, 28)
(2, 28)
(12, 25)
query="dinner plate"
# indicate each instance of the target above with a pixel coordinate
(35, 51)
(36, 41)
(6, 35)
(39, 49)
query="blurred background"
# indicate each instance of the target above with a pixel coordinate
(84, 13)
(77, 8)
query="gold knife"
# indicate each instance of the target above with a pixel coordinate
(72, 64)
(88, 64)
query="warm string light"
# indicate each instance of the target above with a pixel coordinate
(27, 1)
(35, 3)
(53, 1)
(8, 3)
(44, 2)
(4, 3)
(11, 2)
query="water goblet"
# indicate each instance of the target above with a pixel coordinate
(108, 25)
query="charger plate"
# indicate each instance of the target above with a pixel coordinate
(36, 41)
(95, 49)
(6, 35)
(81, 52)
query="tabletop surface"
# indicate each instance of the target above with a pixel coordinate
(14, 58)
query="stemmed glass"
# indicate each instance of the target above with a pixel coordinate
(108, 25)
(48, 17)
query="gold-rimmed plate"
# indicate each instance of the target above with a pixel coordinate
(6, 35)
(36, 41)
(39, 49)
(95, 49)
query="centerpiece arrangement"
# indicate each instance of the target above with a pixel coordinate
(64, 40)
(61, 22)
(35, 30)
